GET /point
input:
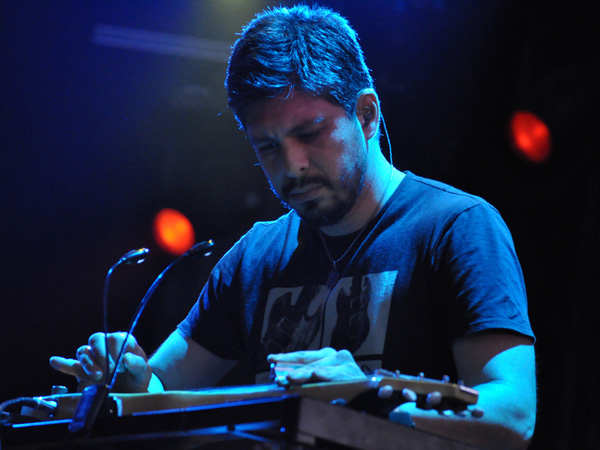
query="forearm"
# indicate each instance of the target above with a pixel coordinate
(180, 363)
(505, 424)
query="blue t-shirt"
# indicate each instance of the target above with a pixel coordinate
(435, 264)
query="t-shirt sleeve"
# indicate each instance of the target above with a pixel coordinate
(481, 273)
(223, 318)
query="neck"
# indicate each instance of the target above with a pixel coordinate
(380, 183)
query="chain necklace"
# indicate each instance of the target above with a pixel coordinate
(334, 274)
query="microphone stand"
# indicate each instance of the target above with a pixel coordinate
(94, 398)
(200, 248)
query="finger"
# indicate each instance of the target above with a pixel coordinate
(476, 412)
(332, 357)
(67, 366)
(118, 345)
(320, 365)
(303, 375)
(116, 340)
(312, 373)
(97, 346)
(338, 371)
(302, 357)
(134, 374)
(133, 346)
(136, 365)
(91, 368)
(403, 414)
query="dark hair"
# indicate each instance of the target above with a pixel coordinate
(310, 49)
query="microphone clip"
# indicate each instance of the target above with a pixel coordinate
(92, 404)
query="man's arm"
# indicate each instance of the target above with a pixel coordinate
(501, 366)
(181, 363)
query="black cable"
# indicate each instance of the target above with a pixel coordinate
(136, 256)
(202, 247)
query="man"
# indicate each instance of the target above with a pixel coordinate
(372, 267)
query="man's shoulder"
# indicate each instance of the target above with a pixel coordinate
(281, 224)
(270, 233)
(427, 204)
(425, 192)
(263, 243)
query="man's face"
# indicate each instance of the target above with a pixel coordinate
(312, 153)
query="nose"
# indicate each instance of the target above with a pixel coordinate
(295, 159)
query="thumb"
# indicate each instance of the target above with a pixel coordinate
(138, 367)
(134, 374)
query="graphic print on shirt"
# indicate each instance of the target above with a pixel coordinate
(354, 318)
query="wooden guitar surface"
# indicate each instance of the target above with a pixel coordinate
(456, 397)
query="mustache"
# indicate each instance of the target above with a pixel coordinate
(299, 183)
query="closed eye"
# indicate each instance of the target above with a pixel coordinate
(309, 136)
(266, 148)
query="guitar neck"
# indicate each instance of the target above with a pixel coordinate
(128, 404)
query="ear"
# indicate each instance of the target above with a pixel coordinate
(367, 112)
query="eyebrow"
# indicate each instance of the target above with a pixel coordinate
(308, 123)
(301, 126)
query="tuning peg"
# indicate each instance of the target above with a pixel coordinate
(385, 392)
(383, 373)
(339, 402)
(433, 399)
(409, 395)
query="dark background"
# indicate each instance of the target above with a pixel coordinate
(113, 110)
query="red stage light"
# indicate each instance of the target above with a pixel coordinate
(173, 231)
(530, 136)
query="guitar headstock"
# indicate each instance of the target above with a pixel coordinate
(397, 388)
(390, 389)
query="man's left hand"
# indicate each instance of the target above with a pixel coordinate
(311, 366)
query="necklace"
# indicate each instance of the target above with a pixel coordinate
(334, 274)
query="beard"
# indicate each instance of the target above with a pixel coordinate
(346, 191)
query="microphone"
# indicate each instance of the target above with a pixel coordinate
(93, 398)
(201, 248)
(136, 256)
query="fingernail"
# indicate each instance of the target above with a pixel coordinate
(97, 375)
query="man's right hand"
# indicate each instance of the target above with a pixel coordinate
(89, 367)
